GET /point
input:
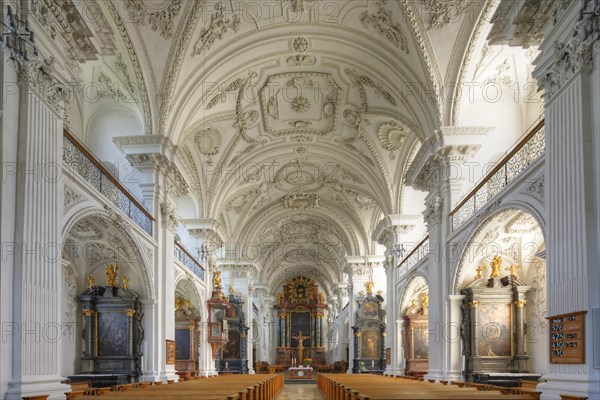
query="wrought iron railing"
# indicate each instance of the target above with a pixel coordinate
(528, 150)
(186, 258)
(417, 254)
(79, 159)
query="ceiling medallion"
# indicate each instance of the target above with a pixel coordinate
(300, 104)
(315, 95)
(300, 44)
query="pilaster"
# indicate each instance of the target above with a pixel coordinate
(38, 213)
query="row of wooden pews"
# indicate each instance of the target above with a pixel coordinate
(228, 387)
(373, 387)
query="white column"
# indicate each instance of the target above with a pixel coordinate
(150, 346)
(452, 336)
(399, 349)
(35, 333)
(568, 75)
(249, 320)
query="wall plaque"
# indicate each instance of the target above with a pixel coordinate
(170, 352)
(567, 338)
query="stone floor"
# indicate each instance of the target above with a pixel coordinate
(300, 392)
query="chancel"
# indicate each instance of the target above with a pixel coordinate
(348, 199)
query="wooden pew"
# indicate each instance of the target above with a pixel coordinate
(356, 387)
(231, 387)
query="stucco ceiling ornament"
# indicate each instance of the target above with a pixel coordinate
(301, 201)
(382, 21)
(244, 118)
(208, 141)
(443, 12)
(159, 15)
(300, 44)
(393, 136)
(219, 25)
(314, 95)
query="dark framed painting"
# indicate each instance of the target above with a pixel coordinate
(300, 323)
(494, 330)
(171, 351)
(113, 334)
(231, 349)
(369, 345)
(183, 346)
(420, 342)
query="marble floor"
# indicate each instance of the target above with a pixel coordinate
(300, 392)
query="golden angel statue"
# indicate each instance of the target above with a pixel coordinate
(496, 266)
(369, 285)
(479, 270)
(111, 274)
(90, 281)
(217, 280)
(425, 299)
(513, 270)
(125, 282)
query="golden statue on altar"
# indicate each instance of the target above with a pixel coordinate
(111, 274)
(369, 286)
(479, 270)
(496, 267)
(90, 281)
(321, 297)
(513, 270)
(425, 300)
(125, 282)
(217, 281)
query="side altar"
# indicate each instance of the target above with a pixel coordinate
(301, 309)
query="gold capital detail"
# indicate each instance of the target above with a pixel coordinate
(474, 304)
(88, 313)
(130, 312)
(520, 303)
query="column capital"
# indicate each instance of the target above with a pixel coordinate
(40, 77)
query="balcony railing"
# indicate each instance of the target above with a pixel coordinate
(417, 254)
(186, 258)
(82, 161)
(527, 151)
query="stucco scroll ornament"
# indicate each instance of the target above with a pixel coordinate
(160, 20)
(433, 212)
(219, 25)
(244, 119)
(382, 21)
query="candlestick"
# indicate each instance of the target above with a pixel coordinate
(372, 364)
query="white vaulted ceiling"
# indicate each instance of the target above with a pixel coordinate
(294, 120)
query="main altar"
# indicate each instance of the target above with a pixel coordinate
(301, 310)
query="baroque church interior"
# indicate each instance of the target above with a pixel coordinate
(348, 194)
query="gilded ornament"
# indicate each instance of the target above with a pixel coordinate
(496, 267)
(125, 282)
(425, 300)
(369, 286)
(88, 313)
(111, 274)
(130, 312)
(520, 303)
(479, 270)
(513, 270)
(474, 304)
(90, 281)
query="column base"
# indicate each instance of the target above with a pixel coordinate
(52, 387)
(169, 375)
(455, 376)
(568, 384)
(149, 376)
(437, 375)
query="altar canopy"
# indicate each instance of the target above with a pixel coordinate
(301, 310)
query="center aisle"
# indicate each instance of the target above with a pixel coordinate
(300, 392)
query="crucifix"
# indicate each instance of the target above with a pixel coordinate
(300, 340)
